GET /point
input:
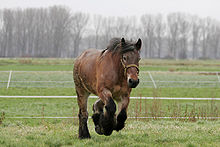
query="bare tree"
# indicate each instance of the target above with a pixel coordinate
(173, 34)
(122, 26)
(135, 31)
(61, 22)
(215, 40)
(56, 32)
(196, 33)
(205, 36)
(160, 28)
(1, 34)
(148, 24)
(30, 26)
(184, 27)
(79, 22)
(108, 30)
(97, 23)
(41, 33)
(8, 28)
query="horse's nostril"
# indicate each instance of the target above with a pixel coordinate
(130, 81)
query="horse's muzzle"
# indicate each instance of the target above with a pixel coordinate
(133, 83)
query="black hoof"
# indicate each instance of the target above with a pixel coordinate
(107, 124)
(98, 130)
(84, 133)
(85, 137)
(83, 128)
(120, 127)
(121, 118)
(108, 132)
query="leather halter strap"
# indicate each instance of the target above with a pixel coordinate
(128, 66)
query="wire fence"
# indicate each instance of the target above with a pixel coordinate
(207, 109)
(95, 97)
(152, 79)
(138, 117)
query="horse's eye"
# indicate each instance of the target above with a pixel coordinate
(124, 58)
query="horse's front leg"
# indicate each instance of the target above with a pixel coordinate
(107, 118)
(122, 115)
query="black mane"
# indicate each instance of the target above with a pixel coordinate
(116, 46)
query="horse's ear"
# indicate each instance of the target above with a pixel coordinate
(122, 41)
(138, 44)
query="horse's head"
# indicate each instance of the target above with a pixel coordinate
(130, 57)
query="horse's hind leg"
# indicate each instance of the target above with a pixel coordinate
(82, 97)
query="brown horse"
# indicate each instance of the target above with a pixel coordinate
(110, 74)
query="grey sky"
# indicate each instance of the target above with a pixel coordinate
(201, 8)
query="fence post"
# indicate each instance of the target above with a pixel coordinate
(218, 76)
(155, 86)
(9, 79)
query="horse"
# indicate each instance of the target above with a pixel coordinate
(110, 74)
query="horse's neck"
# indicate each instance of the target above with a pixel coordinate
(118, 67)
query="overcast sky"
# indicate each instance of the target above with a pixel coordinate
(202, 8)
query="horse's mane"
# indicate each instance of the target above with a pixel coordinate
(116, 46)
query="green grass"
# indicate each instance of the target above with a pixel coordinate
(177, 92)
(136, 133)
(50, 107)
(36, 64)
(36, 67)
(64, 79)
(208, 68)
(38, 91)
(147, 92)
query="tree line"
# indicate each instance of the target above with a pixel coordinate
(58, 32)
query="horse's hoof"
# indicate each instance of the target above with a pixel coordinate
(119, 127)
(98, 130)
(108, 133)
(87, 136)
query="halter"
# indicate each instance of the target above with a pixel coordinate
(128, 66)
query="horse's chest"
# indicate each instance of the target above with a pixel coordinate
(118, 91)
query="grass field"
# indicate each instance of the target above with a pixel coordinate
(138, 132)
(36, 64)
